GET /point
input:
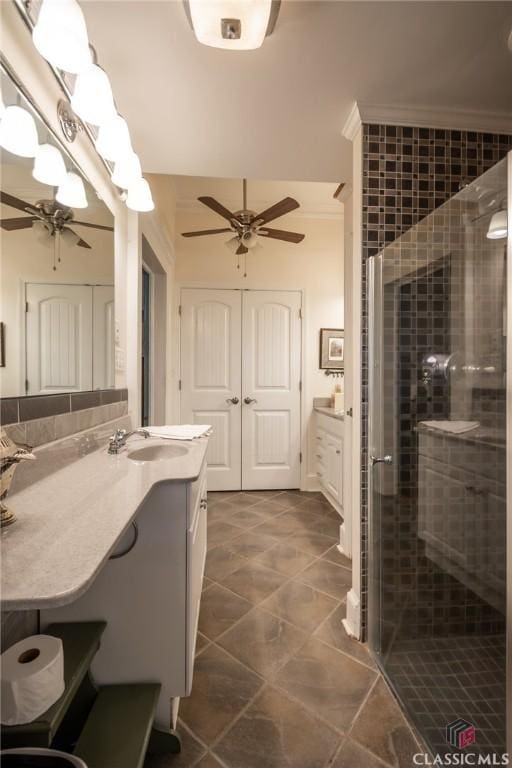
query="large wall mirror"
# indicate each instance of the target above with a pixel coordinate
(57, 269)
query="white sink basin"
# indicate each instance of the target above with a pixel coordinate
(158, 453)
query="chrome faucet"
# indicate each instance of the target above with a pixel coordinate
(120, 436)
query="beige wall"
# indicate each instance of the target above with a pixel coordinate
(315, 266)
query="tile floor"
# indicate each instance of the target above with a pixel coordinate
(277, 682)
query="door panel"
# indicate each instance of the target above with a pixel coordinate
(271, 361)
(211, 376)
(59, 338)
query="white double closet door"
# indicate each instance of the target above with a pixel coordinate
(240, 372)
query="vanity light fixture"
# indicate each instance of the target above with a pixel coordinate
(72, 191)
(239, 25)
(127, 171)
(113, 142)
(49, 166)
(18, 132)
(139, 197)
(60, 35)
(92, 99)
(498, 226)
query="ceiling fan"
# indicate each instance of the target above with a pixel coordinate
(247, 226)
(50, 216)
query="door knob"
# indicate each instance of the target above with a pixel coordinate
(381, 460)
(233, 400)
(249, 400)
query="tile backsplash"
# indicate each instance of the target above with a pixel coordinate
(38, 420)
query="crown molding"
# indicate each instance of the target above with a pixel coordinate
(426, 117)
(352, 123)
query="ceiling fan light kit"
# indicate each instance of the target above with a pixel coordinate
(60, 36)
(49, 166)
(72, 191)
(237, 25)
(18, 132)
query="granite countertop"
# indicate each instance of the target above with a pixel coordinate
(70, 521)
(328, 411)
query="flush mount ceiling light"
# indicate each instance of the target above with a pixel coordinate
(18, 132)
(92, 99)
(238, 25)
(139, 197)
(60, 35)
(498, 226)
(72, 191)
(49, 167)
(113, 140)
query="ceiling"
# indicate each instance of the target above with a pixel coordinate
(278, 112)
(315, 198)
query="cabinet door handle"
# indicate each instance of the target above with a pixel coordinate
(249, 400)
(233, 400)
(338, 451)
(204, 504)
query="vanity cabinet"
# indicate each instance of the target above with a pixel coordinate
(149, 594)
(329, 459)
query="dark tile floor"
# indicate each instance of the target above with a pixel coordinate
(277, 682)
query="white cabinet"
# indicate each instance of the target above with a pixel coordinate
(329, 458)
(150, 596)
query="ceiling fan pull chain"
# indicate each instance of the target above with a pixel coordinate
(245, 264)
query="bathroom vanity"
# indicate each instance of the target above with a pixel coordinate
(329, 459)
(121, 539)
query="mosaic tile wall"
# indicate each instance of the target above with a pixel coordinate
(407, 173)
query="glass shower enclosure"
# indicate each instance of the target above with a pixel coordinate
(438, 468)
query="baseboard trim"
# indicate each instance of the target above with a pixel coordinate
(352, 623)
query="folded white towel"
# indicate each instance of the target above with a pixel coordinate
(180, 431)
(455, 427)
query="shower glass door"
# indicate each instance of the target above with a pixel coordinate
(437, 467)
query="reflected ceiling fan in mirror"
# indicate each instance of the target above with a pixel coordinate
(248, 226)
(49, 219)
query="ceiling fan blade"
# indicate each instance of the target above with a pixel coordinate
(94, 226)
(22, 222)
(15, 202)
(205, 232)
(217, 207)
(281, 234)
(279, 209)
(82, 244)
(241, 249)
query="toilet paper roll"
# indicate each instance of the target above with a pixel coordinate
(32, 678)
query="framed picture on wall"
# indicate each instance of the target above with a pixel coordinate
(332, 348)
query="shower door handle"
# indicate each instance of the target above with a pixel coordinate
(381, 460)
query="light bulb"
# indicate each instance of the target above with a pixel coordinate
(498, 226)
(18, 132)
(127, 171)
(113, 140)
(49, 167)
(139, 197)
(249, 239)
(92, 98)
(41, 232)
(69, 237)
(60, 35)
(72, 191)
